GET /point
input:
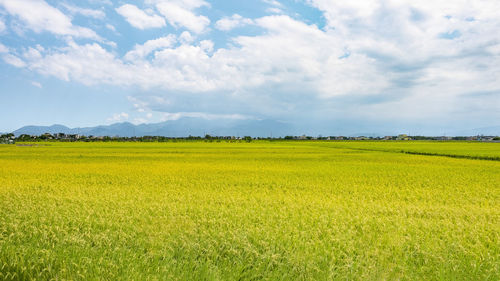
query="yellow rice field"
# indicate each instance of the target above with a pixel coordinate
(249, 211)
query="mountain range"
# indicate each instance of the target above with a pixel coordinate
(194, 126)
(175, 128)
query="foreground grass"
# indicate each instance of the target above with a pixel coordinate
(212, 211)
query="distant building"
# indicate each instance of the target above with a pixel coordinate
(487, 138)
(7, 139)
(403, 137)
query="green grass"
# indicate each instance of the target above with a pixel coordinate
(249, 211)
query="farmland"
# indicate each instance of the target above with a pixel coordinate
(245, 211)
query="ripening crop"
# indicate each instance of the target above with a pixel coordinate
(249, 211)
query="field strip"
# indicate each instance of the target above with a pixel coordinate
(471, 157)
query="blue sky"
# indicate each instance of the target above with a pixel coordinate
(325, 66)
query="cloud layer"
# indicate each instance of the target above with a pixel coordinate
(377, 60)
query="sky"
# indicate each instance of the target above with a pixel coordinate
(325, 66)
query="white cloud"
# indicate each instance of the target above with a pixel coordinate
(410, 30)
(36, 84)
(277, 7)
(14, 60)
(111, 44)
(88, 64)
(186, 4)
(207, 46)
(168, 116)
(110, 27)
(2, 26)
(118, 117)
(186, 38)
(494, 49)
(3, 49)
(229, 23)
(289, 57)
(141, 51)
(97, 14)
(273, 3)
(180, 14)
(40, 16)
(139, 18)
(139, 105)
(32, 54)
(139, 120)
(101, 2)
(427, 72)
(274, 10)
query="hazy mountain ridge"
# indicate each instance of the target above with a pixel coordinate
(176, 128)
(223, 127)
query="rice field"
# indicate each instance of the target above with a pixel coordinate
(471, 150)
(249, 211)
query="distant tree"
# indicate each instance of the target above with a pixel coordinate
(24, 137)
(46, 136)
